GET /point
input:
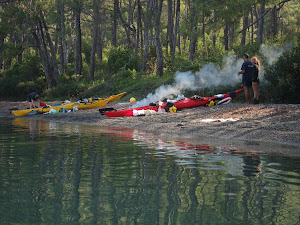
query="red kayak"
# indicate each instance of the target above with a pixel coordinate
(183, 104)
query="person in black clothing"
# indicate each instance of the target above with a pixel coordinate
(255, 80)
(33, 96)
(247, 71)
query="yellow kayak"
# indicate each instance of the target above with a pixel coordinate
(69, 106)
(92, 105)
(115, 98)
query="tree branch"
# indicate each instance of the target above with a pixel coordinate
(265, 13)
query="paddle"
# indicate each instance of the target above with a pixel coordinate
(102, 111)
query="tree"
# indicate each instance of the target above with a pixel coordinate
(95, 39)
(78, 42)
(115, 23)
(157, 8)
(260, 28)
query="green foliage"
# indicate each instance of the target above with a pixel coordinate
(20, 80)
(122, 58)
(283, 77)
(66, 88)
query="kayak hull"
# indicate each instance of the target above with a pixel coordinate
(69, 106)
(183, 104)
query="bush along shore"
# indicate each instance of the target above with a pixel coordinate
(279, 83)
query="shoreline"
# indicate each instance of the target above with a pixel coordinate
(265, 123)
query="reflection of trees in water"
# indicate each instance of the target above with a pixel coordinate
(98, 180)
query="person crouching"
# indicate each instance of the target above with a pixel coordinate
(33, 96)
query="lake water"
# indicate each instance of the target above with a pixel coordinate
(53, 173)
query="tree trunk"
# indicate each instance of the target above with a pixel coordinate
(147, 23)
(20, 55)
(159, 52)
(226, 38)
(252, 27)
(232, 36)
(95, 38)
(100, 43)
(176, 35)
(139, 24)
(245, 25)
(115, 23)
(193, 30)
(170, 27)
(274, 24)
(214, 37)
(260, 29)
(53, 53)
(203, 31)
(78, 44)
(43, 59)
(61, 33)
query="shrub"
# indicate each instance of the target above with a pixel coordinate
(122, 58)
(67, 89)
(20, 80)
(283, 77)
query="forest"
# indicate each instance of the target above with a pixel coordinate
(80, 48)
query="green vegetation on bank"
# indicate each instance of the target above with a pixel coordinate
(119, 73)
(69, 49)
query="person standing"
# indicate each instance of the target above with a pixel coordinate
(247, 71)
(255, 79)
(33, 96)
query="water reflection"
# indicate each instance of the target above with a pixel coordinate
(63, 173)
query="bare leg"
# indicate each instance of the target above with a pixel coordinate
(249, 95)
(255, 86)
(247, 91)
(31, 104)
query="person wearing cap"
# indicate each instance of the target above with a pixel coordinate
(247, 71)
(33, 96)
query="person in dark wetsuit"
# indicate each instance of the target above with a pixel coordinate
(33, 96)
(255, 79)
(247, 71)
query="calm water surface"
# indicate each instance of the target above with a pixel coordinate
(52, 173)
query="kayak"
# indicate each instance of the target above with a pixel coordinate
(41, 110)
(183, 104)
(115, 98)
(92, 105)
(95, 103)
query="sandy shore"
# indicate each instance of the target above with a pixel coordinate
(267, 123)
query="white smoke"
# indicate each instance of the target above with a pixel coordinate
(273, 52)
(210, 75)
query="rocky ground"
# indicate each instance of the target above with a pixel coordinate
(264, 122)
